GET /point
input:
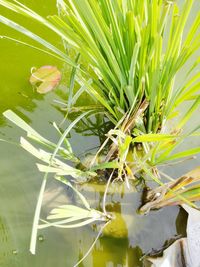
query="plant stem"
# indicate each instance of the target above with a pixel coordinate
(91, 247)
(105, 193)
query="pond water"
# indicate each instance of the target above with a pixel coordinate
(20, 180)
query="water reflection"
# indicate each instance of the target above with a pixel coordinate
(113, 248)
(96, 125)
(16, 98)
(115, 252)
(7, 253)
(109, 252)
(17, 103)
(181, 222)
(17, 60)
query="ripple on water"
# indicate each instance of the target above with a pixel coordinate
(7, 254)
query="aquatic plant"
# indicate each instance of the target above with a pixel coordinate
(64, 216)
(130, 52)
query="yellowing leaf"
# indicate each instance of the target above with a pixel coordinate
(179, 191)
(45, 78)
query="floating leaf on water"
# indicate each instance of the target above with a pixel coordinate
(45, 78)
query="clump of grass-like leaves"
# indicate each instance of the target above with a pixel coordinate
(130, 52)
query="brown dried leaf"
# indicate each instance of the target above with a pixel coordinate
(174, 193)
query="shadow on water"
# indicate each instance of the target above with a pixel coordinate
(113, 248)
(129, 236)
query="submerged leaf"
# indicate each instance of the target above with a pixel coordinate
(106, 165)
(45, 78)
(82, 198)
(81, 176)
(70, 216)
(66, 211)
(31, 133)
